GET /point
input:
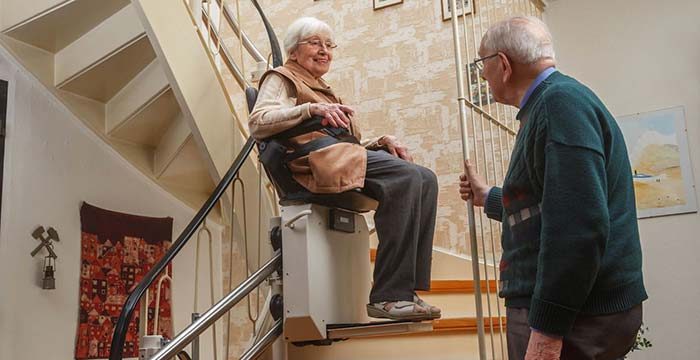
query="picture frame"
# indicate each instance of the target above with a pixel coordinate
(380, 4)
(461, 6)
(662, 173)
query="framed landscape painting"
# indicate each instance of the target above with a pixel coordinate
(657, 145)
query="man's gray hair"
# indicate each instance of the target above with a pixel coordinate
(526, 40)
(301, 29)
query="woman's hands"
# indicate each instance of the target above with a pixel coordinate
(336, 115)
(394, 147)
(339, 115)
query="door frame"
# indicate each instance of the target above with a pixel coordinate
(4, 89)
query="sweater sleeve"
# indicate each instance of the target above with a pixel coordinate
(494, 204)
(575, 227)
(276, 109)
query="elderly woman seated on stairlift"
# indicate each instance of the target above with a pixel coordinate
(382, 168)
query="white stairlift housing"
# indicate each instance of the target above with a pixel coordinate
(326, 272)
(327, 279)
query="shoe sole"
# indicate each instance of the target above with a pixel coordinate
(383, 314)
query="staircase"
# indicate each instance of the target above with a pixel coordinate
(98, 58)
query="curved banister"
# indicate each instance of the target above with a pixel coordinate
(274, 43)
(122, 326)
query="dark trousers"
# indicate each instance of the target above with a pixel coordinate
(405, 223)
(600, 337)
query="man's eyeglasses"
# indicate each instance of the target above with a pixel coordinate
(319, 44)
(479, 63)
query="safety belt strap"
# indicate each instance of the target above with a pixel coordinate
(313, 145)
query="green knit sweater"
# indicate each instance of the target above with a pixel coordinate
(575, 250)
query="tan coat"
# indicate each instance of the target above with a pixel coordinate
(284, 100)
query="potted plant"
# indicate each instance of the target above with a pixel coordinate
(641, 342)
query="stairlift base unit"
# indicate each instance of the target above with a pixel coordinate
(326, 273)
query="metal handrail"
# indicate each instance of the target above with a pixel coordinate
(247, 43)
(265, 341)
(132, 301)
(217, 311)
(226, 55)
(481, 111)
(462, 100)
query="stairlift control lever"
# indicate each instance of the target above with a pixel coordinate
(340, 220)
(290, 222)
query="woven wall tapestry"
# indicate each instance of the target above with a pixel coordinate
(117, 250)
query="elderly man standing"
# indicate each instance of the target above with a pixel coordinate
(571, 270)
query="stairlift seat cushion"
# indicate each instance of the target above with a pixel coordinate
(353, 200)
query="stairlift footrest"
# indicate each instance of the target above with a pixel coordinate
(347, 331)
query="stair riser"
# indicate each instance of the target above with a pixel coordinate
(446, 266)
(463, 305)
(140, 91)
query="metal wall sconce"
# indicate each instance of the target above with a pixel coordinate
(48, 281)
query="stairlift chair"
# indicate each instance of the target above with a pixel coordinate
(325, 250)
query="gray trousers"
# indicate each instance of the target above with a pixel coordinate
(600, 337)
(405, 223)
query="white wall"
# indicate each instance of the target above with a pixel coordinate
(52, 164)
(641, 56)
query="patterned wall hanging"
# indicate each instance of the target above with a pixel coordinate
(117, 250)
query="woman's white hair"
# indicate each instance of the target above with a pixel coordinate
(301, 29)
(526, 40)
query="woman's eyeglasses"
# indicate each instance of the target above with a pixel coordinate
(329, 45)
